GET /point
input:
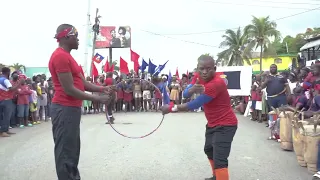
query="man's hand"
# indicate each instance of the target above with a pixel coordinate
(102, 99)
(196, 88)
(109, 89)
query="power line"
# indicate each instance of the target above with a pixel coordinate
(192, 42)
(253, 5)
(276, 2)
(223, 30)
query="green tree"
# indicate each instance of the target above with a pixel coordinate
(291, 44)
(17, 66)
(279, 46)
(260, 30)
(236, 52)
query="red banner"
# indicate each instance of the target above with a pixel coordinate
(113, 37)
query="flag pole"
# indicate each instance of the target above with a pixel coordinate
(86, 52)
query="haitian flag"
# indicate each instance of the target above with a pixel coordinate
(97, 58)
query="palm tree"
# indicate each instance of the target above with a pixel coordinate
(236, 52)
(17, 66)
(260, 30)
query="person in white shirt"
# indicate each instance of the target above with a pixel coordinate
(6, 104)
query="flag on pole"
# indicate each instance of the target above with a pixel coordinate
(97, 58)
(169, 77)
(159, 69)
(106, 66)
(151, 67)
(135, 59)
(177, 73)
(124, 66)
(94, 72)
(143, 66)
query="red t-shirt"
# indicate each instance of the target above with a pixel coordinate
(24, 93)
(310, 78)
(218, 111)
(253, 95)
(108, 81)
(61, 61)
(6, 94)
(259, 96)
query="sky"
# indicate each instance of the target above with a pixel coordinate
(28, 27)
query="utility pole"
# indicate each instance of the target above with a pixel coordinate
(95, 29)
(86, 52)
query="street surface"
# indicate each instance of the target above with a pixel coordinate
(174, 152)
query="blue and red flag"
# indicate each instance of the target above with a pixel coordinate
(97, 58)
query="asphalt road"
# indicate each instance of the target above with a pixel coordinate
(174, 152)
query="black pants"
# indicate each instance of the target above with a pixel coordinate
(218, 144)
(66, 136)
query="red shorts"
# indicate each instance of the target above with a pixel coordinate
(120, 94)
(157, 94)
(127, 96)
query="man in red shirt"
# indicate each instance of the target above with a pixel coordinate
(70, 87)
(222, 122)
(6, 105)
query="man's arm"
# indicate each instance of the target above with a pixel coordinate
(63, 70)
(90, 86)
(24, 91)
(9, 85)
(195, 104)
(187, 93)
(288, 90)
(212, 90)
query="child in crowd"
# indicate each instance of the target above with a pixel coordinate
(258, 107)
(50, 96)
(128, 96)
(120, 94)
(33, 104)
(158, 99)
(254, 116)
(24, 93)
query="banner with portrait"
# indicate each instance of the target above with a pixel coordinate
(113, 37)
(237, 78)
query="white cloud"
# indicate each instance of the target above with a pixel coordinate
(27, 33)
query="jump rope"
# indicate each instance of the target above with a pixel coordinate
(135, 137)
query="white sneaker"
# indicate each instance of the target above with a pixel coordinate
(317, 175)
